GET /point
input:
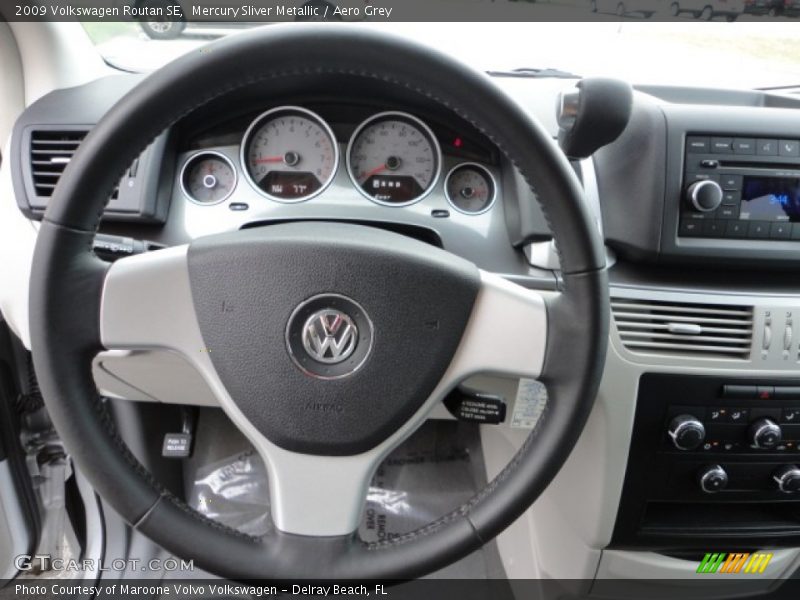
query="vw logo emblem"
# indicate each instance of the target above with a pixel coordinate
(330, 336)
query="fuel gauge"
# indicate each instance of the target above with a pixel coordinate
(470, 188)
(208, 178)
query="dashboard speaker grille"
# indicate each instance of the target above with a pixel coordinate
(684, 329)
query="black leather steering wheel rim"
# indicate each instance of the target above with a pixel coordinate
(67, 283)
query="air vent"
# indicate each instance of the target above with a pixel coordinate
(50, 153)
(684, 329)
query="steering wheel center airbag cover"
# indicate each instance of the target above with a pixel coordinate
(249, 287)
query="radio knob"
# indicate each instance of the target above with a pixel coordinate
(705, 195)
(788, 479)
(687, 432)
(712, 479)
(764, 433)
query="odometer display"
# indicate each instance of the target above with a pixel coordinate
(290, 154)
(394, 159)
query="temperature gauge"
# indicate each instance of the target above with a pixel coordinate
(208, 178)
(470, 188)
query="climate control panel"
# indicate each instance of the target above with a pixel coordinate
(712, 460)
(739, 419)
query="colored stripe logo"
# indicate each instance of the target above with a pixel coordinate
(734, 563)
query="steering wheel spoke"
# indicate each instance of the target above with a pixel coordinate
(506, 334)
(147, 304)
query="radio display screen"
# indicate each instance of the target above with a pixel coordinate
(770, 198)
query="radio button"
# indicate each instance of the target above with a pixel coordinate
(758, 230)
(731, 182)
(713, 228)
(697, 144)
(727, 212)
(736, 229)
(780, 231)
(694, 177)
(744, 146)
(722, 145)
(767, 147)
(731, 198)
(796, 231)
(691, 228)
(789, 148)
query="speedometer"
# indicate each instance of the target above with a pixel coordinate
(289, 154)
(394, 159)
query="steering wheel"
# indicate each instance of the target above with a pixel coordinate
(327, 344)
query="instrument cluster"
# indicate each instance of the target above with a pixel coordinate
(290, 154)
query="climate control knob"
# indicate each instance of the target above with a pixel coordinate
(764, 434)
(712, 479)
(788, 478)
(686, 432)
(705, 195)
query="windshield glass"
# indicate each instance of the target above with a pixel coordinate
(738, 55)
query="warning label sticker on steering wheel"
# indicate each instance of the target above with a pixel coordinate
(529, 403)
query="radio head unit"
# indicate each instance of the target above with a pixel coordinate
(692, 184)
(740, 188)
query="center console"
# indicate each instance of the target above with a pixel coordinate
(712, 461)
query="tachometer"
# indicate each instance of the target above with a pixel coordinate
(289, 154)
(393, 158)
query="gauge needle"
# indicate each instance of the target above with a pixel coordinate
(269, 159)
(369, 174)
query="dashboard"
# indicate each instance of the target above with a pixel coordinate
(697, 306)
